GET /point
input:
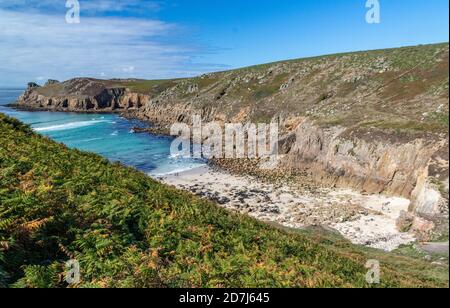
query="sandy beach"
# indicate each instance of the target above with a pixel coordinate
(368, 220)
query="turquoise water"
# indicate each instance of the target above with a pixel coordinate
(106, 134)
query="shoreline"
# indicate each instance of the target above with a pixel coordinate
(368, 220)
(19, 107)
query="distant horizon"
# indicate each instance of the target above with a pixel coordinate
(23, 87)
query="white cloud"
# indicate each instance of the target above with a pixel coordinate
(128, 69)
(40, 44)
(88, 6)
(119, 6)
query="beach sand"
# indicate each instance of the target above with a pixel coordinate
(368, 220)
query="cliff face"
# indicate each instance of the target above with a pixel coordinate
(83, 95)
(376, 121)
(375, 164)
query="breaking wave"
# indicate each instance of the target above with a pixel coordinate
(67, 126)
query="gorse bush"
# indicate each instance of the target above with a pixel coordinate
(127, 230)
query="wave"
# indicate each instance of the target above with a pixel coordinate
(175, 171)
(90, 140)
(67, 126)
(180, 156)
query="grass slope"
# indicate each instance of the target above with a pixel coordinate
(399, 89)
(127, 230)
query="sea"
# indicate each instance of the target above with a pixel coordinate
(109, 135)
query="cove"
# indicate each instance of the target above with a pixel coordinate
(108, 135)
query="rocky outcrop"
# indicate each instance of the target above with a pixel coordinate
(346, 159)
(369, 164)
(80, 95)
(32, 85)
(423, 229)
(51, 82)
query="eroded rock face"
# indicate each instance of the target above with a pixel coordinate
(374, 167)
(333, 156)
(80, 95)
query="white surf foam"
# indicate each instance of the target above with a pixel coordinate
(90, 140)
(67, 126)
(157, 173)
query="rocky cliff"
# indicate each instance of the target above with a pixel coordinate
(376, 121)
(81, 94)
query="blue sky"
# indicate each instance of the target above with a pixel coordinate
(166, 39)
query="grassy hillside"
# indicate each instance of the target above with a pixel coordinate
(400, 89)
(127, 230)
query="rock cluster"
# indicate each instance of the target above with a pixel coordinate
(422, 228)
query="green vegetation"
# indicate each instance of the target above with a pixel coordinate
(148, 86)
(422, 55)
(414, 251)
(431, 124)
(440, 118)
(387, 82)
(127, 230)
(270, 88)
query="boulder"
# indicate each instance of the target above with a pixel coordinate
(420, 227)
(423, 229)
(405, 221)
